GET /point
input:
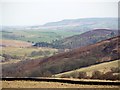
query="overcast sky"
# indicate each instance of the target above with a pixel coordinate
(32, 12)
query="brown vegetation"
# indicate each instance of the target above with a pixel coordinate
(82, 57)
(87, 38)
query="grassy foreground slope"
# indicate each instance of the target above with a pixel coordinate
(103, 67)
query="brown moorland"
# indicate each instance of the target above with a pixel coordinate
(104, 51)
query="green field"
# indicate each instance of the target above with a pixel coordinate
(15, 54)
(36, 35)
(24, 51)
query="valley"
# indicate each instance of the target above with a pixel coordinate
(89, 55)
(82, 49)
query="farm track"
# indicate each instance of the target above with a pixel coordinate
(65, 80)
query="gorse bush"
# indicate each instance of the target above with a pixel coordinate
(82, 75)
(40, 53)
(105, 76)
(96, 75)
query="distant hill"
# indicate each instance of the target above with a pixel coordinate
(107, 50)
(83, 24)
(87, 38)
(75, 25)
(57, 30)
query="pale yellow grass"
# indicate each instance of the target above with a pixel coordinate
(24, 51)
(103, 67)
(15, 43)
(40, 84)
(10, 62)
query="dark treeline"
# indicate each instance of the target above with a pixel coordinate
(42, 44)
(54, 44)
(77, 41)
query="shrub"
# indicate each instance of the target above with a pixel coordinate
(75, 74)
(65, 76)
(82, 75)
(34, 53)
(6, 57)
(47, 74)
(115, 70)
(110, 76)
(96, 75)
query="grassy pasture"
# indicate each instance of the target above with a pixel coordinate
(24, 53)
(36, 35)
(14, 43)
(103, 67)
(18, 51)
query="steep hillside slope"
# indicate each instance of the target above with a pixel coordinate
(87, 38)
(106, 50)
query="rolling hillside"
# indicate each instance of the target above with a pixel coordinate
(107, 50)
(87, 38)
(102, 67)
(34, 35)
(56, 30)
